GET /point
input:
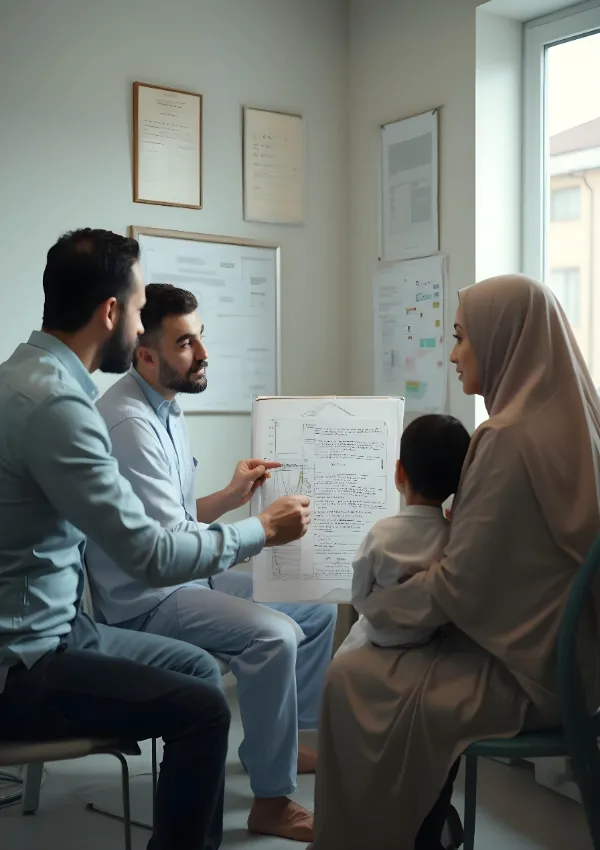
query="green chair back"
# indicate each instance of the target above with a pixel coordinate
(579, 728)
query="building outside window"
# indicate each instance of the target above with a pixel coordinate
(561, 189)
(565, 204)
(566, 285)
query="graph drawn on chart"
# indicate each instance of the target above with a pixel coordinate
(287, 445)
(288, 481)
(287, 561)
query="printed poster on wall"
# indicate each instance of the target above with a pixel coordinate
(410, 354)
(409, 158)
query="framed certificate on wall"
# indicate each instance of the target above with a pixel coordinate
(274, 167)
(167, 146)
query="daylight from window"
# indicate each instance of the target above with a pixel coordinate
(572, 243)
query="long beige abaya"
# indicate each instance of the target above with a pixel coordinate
(394, 721)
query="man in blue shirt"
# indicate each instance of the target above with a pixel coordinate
(61, 675)
(278, 653)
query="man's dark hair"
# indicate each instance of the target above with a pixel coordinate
(84, 269)
(432, 452)
(162, 300)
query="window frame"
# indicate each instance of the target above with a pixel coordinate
(538, 35)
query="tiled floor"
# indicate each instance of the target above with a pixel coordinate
(514, 812)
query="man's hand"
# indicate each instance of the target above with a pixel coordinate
(286, 519)
(248, 476)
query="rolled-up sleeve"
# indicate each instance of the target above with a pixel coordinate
(69, 457)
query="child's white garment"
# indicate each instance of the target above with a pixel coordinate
(394, 550)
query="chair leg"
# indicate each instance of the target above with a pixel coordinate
(126, 801)
(588, 782)
(470, 801)
(593, 820)
(154, 780)
(31, 788)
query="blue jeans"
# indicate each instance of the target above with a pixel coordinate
(278, 654)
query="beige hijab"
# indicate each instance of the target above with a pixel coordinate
(535, 380)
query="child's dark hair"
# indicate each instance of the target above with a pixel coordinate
(432, 452)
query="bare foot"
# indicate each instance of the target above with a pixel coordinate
(307, 759)
(282, 817)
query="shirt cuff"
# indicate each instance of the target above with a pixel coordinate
(252, 538)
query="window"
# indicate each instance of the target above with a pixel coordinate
(566, 285)
(561, 166)
(565, 204)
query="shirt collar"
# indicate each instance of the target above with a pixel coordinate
(161, 406)
(421, 510)
(68, 358)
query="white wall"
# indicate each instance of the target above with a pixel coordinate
(498, 113)
(406, 58)
(66, 69)
(498, 144)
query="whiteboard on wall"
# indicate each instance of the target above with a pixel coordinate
(236, 283)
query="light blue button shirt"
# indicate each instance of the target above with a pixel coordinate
(174, 439)
(151, 444)
(60, 483)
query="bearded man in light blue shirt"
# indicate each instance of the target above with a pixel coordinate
(278, 653)
(61, 674)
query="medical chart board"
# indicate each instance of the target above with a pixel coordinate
(342, 453)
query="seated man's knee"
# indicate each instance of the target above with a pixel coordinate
(283, 633)
(205, 707)
(197, 662)
(208, 705)
(207, 669)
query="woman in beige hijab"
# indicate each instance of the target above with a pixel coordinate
(395, 722)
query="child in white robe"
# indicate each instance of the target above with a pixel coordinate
(432, 453)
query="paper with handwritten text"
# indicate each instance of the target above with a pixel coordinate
(346, 465)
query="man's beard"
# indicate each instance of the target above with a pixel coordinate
(190, 383)
(117, 354)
